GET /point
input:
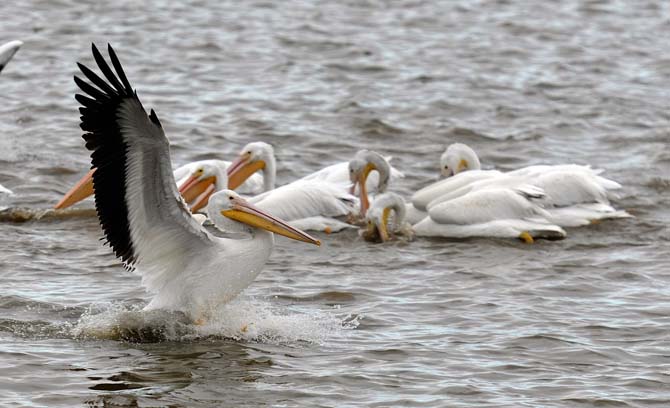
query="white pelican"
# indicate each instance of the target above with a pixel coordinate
(573, 195)
(322, 195)
(386, 218)
(257, 156)
(502, 213)
(341, 173)
(493, 212)
(142, 215)
(7, 51)
(360, 169)
(306, 203)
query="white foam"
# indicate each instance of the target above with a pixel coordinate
(247, 320)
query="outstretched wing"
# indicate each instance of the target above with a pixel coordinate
(141, 213)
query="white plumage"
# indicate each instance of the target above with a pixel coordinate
(144, 218)
(339, 173)
(501, 213)
(569, 193)
(7, 51)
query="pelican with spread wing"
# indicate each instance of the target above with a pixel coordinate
(188, 267)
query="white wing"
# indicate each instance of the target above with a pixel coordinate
(142, 215)
(483, 206)
(423, 197)
(7, 51)
(502, 213)
(306, 198)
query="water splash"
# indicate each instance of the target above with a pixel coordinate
(247, 320)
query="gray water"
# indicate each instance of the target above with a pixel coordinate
(580, 322)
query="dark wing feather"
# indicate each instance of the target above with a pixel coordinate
(141, 213)
(103, 138)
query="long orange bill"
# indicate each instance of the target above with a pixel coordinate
(245, 212)
(365, 204)
(241, 169)
(203, 198)
(80, 191)
(383, 225)
(192, 188)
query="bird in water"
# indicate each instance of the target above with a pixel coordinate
(494, 212)
(385, 219)
(572, 195)
(310, 203)
(187, 266)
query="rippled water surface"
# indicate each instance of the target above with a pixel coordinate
(581, 322)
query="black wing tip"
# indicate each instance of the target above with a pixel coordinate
(99, 101)
(154, 119)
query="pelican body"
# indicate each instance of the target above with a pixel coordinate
(143, 217)
(572, 195)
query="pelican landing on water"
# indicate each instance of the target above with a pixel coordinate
(188, 267)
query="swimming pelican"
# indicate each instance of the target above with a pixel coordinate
(309, 204)
(573, 195)
(360, 168)
(494, 212)
(144, 219)
(386, 218)
(7, 51)
(259, 156)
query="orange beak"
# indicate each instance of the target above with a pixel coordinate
(245, 212)
(194, 189)
(81, 190)
(241, 169)
(362, 179)
(203, 198)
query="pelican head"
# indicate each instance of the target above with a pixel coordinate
(254, 157)
(229, 204)
(201, 183)
(457, 158)
(359, 169)
(377, 218)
